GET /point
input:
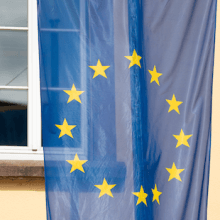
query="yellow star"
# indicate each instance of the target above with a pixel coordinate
(156, 194)
(99, 69)
(135, 59)
(77, 164)
(155, 75)
(174, 104)
(182, 139)
(174, 172)
(73, 94)
(141, 196)
(105, 188)
(65, 128)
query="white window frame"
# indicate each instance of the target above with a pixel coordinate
(33, 150)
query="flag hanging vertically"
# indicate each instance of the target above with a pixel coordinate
(126, 107)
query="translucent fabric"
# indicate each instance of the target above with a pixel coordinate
(126, 107)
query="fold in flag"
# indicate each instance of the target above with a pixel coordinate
(126, 107)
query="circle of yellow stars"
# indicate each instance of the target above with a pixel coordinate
(182, 139)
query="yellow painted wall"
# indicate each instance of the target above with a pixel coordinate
(214, 181)
(22, 199)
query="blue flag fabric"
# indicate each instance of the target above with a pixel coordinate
(126, 107)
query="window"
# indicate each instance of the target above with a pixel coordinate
(20, 120)
(63, 39)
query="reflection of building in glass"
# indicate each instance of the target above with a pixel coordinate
(13, 127)
(13, 72)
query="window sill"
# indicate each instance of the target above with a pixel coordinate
(21, 154)
(18, 168)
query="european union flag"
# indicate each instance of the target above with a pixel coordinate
(126, 107)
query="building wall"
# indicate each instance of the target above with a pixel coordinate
(214, 181)
(22, 198)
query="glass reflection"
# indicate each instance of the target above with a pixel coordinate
(13, 13)
(13, 117)
(13, 58)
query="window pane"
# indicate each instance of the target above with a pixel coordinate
(13, 13)
(13, 117)
(13, 58)
(63, 16)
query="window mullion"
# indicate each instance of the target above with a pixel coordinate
(14, 28)
(34, 118)
(14, 87)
